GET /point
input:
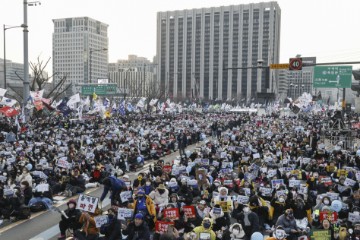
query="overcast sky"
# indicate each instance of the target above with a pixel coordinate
(327, 29)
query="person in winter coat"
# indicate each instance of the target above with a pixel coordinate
(235, 232)
(115, 185)
(185, 196)
(137, 229)
(160, 196)
(26, 191)
(221, 220)
(287, 222)
(76, 183)
(205, 230)
(25, 176)
(248, 219)
(173, 186)
(112, 229)
(89, 229)
(144, 204)
(70, 219)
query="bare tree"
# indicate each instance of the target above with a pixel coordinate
(40, 79)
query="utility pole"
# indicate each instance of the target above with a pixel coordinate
(26, 90)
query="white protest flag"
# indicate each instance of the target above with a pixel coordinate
(141, 103)
(153, 102)
(2, 92)
(73, 100)
(8, 102)
(86, 102)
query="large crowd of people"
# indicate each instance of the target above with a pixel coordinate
(248, 176)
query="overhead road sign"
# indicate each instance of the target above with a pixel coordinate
(99, 89)
(279, 66)
(295, 64)
(332, 77)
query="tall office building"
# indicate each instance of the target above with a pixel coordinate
(194, 48)
(80, 50)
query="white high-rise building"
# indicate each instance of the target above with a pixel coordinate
(80, 50)
(195, 46)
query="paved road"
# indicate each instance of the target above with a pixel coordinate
(44, 225)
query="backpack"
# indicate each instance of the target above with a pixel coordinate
(38, 207)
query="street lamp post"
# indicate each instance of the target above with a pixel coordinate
(4, 29)
(26, 83)
(90, 54)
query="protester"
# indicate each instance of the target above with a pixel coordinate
(248, 169)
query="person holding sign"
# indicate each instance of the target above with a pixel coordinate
(205, 232)
(137, 229)
(221, 219)
(111, 229)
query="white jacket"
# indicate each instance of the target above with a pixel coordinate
(25, 177)
(160, 199)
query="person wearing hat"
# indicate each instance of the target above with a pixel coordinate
(137, 229)
(144, 204)
(69, 219)
(204, 231)
(160, 196)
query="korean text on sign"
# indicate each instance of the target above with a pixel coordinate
(87, 203)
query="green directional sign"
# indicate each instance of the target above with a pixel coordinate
(100, 89)
(332, 77)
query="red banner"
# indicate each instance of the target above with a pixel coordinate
(172, 213)
(167, 169)
(161, 227)
(331, 216)
(189, 211)
(8, 111)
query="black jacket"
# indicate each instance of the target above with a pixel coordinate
(112, 230)
(137, 233)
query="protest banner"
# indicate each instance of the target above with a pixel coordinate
(205, 162)
(125, 196)
(225, 205)
(321, 235)
(3, 179)
(266, 191)
(354, 217)
(63, 163)
(189, 211)
(192, 182)
(276, 182)
(331, 216)
(294, 183)
(87, 203)
(161, 227)
(172, 213)
(228, 182)
(216, 210)
(101, 220)
(242, 199)
(125, 213)
(167, 169)
(172, 184)
(44, 187)
(201, 176)
(349, 182)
